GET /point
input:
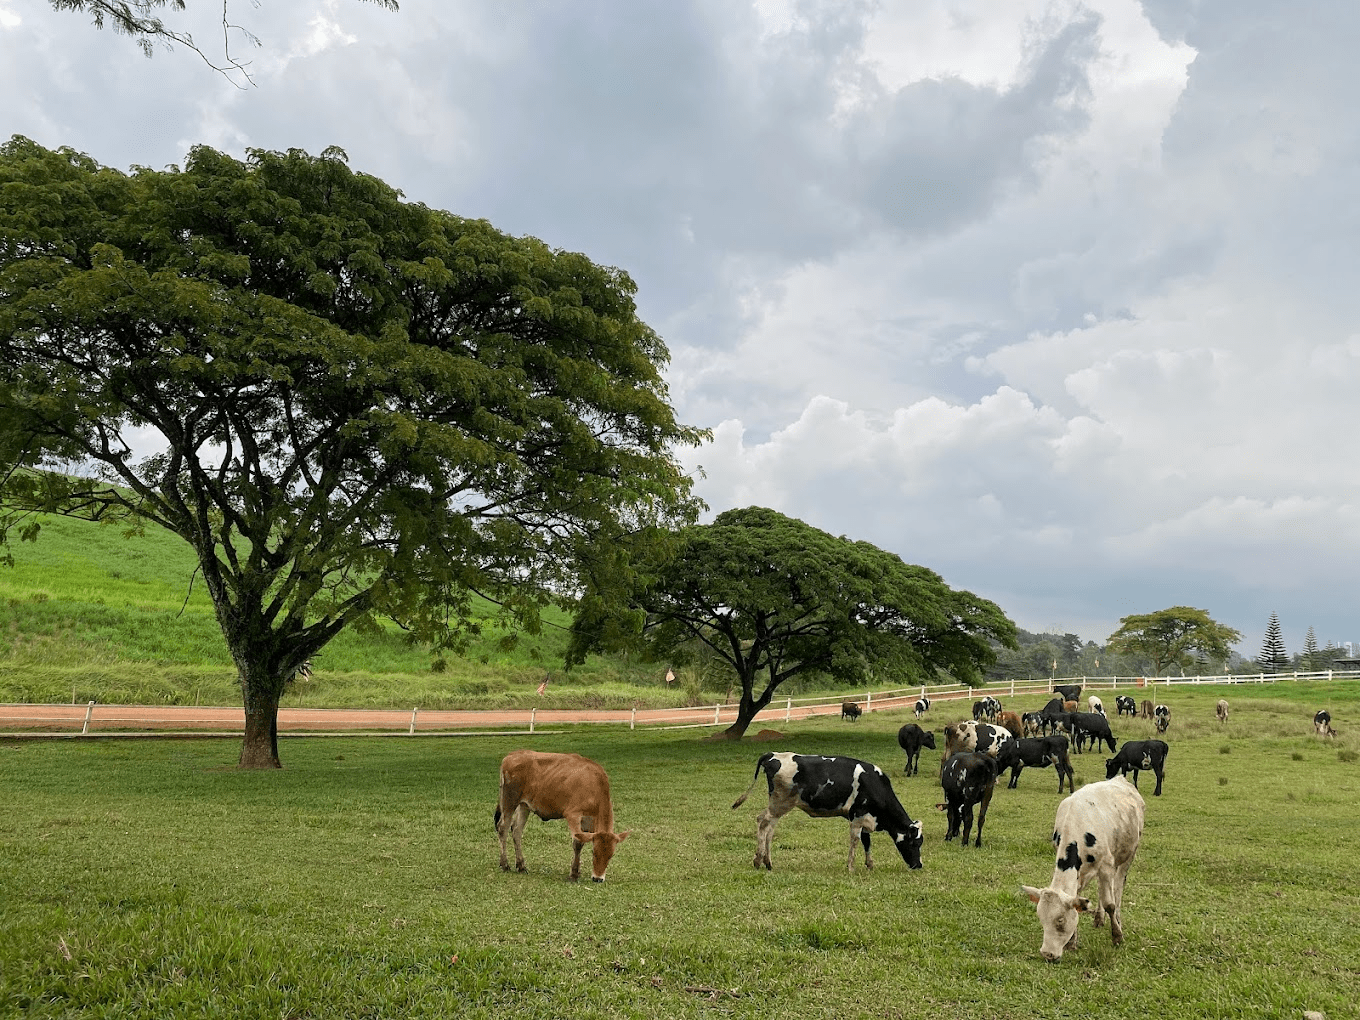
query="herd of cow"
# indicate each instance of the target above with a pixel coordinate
(1095, 833)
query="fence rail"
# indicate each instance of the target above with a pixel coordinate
(92, 718)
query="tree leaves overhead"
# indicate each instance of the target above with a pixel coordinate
(368, 406)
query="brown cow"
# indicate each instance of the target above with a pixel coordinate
(1011, 721)
(1147, 710)
(1221, 710)
(1070, 706)
(558, 786)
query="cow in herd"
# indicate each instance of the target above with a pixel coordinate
(1322, 724)
(1221, 710)
(1124, 705)
(1095, 834)
(1037, 752)
(968, 779)
(851, 711)
(833, 788)
(1137, 755)
(558, 786)
(1163, 716)
(911, 738)
(922, 706)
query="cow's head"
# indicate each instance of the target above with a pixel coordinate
(1111, 768)
(602, 846)
(909, 843)
(1058, 914)
(929, 739)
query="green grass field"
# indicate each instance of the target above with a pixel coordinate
(151, 878)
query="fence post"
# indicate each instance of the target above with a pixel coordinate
(788, 709)
(868, 701)
(532, 712)
(1012, 688)
(89, 709)
(716, 709)
(413, 721)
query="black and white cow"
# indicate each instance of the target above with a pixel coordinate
(1070, 692)
(1054, 715)
(1092, 727)
(1032, 723)
(983, 738)
(911, 738)
(968, 779)
(1095, 834)
(922, 706)
(1125, 705)
(1137, 755)
(833, 788)
(1322, 724)
(1095, 704)
(1039, 753)
(851, 711)
(1163, 716)
(988, 708)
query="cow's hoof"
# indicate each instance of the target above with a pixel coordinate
(520, 868)
(594, 879)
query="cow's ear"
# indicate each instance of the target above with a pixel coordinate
(1031, 892)
(1082, 904)
(619, 837)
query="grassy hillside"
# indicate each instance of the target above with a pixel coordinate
(87, 612)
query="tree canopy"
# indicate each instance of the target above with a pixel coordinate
(774, 597)
(365, 408)
(1167, 637)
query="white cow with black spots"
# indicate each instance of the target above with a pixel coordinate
(1095, 834)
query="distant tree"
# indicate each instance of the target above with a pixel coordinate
(1273, 657)
(1167, 637)
(369, 409)
(138, 20)
(1310, 651)
(775, 598)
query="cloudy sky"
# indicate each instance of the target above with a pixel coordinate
(1061, 299)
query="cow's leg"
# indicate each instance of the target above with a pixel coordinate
(982, 815)
(1158, 769)
(516, 819)
(966, 816)
(1135, 777)
(858, 832)
(765, 823)
(1015, 776)
(1111, 899)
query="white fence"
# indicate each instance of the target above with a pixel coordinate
(87, 719)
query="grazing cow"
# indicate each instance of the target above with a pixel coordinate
(922, 706)
(1147, 709)
(833, 788)
(1322, 724)
(983, 738)
(1069, 692)
(1032, 723)
(1163, 716)
(1221, 710)
(1010, 721)
(558, 786)
(851, 711)
(1124, 705)
(1038, 752)
(1091, 726)
(1095, 704)
(979, 710)
(988, 708)
(1096, 834)
(1137, 755)
(1051, 713)
(968, 779)
(1070, 706)
(911, 738)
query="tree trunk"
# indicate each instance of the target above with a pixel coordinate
(747, 709)
(260, 748)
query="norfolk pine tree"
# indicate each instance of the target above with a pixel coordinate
(1273, 657)
(367, 409)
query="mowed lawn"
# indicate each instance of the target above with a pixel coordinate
(150, 878)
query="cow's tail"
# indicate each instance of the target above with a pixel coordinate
(759, 765)
(497, 818)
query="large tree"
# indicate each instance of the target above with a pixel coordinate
(774, 597)
(1167, 637)
(364, 408)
